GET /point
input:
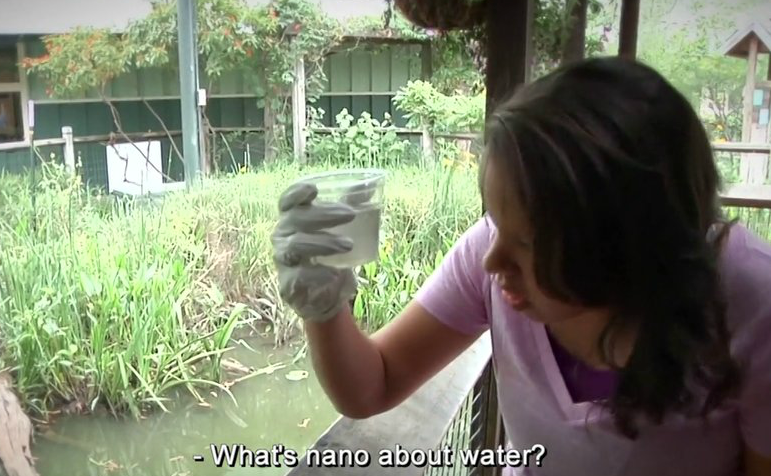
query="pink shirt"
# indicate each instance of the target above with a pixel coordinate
(580, 439)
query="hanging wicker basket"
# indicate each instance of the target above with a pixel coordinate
(444, 14)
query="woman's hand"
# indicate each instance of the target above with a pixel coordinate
(316, 292)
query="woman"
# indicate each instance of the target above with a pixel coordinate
(629, 321)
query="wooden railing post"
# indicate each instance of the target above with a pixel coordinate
(418, 423)
(69, 150)
(486, 425)
(630, 20)
(298, 111)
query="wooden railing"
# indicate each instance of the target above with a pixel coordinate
(420, 424)
(745, 195)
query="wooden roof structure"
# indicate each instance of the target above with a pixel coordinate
(738, 45)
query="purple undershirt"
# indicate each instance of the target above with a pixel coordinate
(583, 382)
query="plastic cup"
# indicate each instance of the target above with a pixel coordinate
(363, 190)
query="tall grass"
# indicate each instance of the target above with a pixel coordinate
(424, 216)
(115, 302)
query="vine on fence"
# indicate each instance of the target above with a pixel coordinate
(232, 36)
(358, 142)
(426, 107)
(264, 42)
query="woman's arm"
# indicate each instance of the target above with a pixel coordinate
(364, 376)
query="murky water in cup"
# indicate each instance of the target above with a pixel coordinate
(363, 189)
(364, 230)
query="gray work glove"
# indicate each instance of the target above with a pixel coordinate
(316, 292)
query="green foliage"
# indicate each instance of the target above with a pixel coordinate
(116, 303)
(398, 27)
(265, 41)
(151, 42)
(362, 142)
(425, 106)
(458, 54)
(690, 60)
(83, 59)
(425, 215)
(104, 305)
(455, 71)
(314, 35)
(552, 20)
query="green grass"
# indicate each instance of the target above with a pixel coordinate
(114, 303)
(758, 220)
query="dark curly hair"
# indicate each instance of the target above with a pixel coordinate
(617, 177)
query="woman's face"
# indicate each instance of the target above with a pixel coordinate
(510, 257)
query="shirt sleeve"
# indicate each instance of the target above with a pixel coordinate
(755, 401)
(455, 292)
(749, 296)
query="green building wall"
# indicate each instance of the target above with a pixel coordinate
(362, 79)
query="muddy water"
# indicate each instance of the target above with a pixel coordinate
(282, 407)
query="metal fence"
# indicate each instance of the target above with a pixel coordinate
(476, 426)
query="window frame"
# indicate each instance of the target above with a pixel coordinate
(22, 88)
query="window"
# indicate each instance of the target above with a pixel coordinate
(12, 120)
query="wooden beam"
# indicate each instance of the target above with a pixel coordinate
(270, 124)
(630, 19)
(299, 120)
(741, 147)
(355, 40)
(509, 60)
(419, 423)
(575, 42)
(745, 195)
(427, 62)
(509, 48)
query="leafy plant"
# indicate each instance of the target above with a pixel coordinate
(83, 59)
(362, 142)
(425, 106)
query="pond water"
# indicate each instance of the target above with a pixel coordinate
(285, 407)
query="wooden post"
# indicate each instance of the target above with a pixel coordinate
(427, 62)
(574, 48)
(298, 111)
(509, 55)
(69, 150)
(630, 18)
(753, 167)
(270, 132)
(749, 87)
(203, 136)
(427, 146)
(509, 48)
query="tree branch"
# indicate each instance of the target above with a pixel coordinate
(119, 126)
(165, 129)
